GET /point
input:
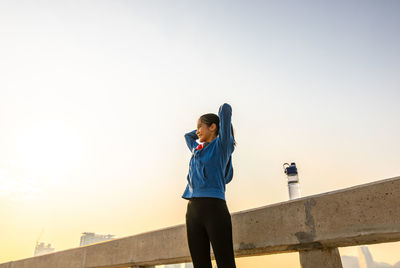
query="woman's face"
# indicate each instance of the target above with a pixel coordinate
(204, 132)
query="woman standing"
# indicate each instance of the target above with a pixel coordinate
(210, 169)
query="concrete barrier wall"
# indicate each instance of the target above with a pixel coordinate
(364, 214)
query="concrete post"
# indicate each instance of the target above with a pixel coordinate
(327, 258)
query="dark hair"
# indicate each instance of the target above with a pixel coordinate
(210, 118)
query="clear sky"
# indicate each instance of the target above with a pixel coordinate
(96, 96)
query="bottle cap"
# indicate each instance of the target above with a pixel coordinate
(291, 170)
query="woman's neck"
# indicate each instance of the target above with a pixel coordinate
(210, 139)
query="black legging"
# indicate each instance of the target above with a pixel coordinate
(208, 220)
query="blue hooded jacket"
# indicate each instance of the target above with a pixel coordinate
(210, 168)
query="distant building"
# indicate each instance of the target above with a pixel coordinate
(365, 259)
(350, 261)
(179, 265)
(91, 238)
(41, 249)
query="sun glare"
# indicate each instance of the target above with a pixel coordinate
(49, 147)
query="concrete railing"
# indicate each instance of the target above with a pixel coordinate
(315, 226)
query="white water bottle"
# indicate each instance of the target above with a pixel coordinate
(293, 180)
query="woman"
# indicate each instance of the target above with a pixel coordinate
(210, 169)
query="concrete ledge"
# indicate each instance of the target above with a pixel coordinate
(364, 214)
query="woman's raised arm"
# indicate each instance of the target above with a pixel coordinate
(191, 138)
(225, 133)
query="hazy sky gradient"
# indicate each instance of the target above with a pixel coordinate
(96, 96)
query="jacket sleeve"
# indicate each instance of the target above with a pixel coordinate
(228, 171)
(191, 138)
(225, 133)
